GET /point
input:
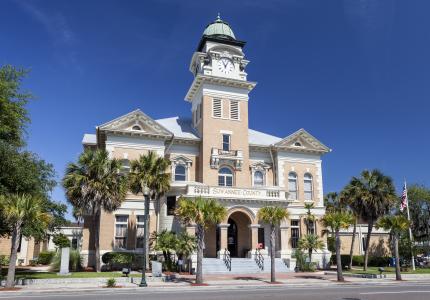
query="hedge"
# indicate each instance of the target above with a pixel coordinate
(45, 257)
(374, 261)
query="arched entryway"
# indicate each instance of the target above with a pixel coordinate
(239, 234)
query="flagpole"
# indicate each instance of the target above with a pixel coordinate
(410, 230)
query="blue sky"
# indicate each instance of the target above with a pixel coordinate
(353, 73)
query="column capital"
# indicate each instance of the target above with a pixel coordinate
(254, 226)
(223, 225)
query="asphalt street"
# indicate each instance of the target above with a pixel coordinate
(397, 291)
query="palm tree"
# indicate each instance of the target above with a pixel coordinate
(94, 184)
(310, 242)
(397, 225)
(351, 197)
(378, 195)
(19, 211)
(310, 217)
(185, 246)
(272, 215)
(338, 220)
(201, 212)
(165, 241)
(149, 173)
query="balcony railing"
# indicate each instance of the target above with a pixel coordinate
(219, 155)
(268, 193)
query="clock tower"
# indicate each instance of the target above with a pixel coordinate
(219, 105)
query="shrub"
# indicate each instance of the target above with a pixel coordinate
(111, 282)
(358, 260)
(4, 260)
(300, 259)
(61, 240)
(119, 260)
(45, 257)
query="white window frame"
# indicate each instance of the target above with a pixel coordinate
(297, 186)
(221, 107)
(311, 192)
(225, 176)
(185, 172)
(238, 110)
(142, 223)
(126, 231)
(229, 142)
(263, 173)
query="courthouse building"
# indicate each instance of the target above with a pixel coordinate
(214, 154)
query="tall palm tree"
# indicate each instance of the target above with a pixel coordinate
(94, 183)
(338, 220)
(397, 225)
(272, 215)
(310, 242)
(378, 195)
(351, 196)
(19, 211)
(309, 217)
(201, 212)
(149, 173)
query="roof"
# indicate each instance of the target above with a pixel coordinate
(219, 28)
(180, 127)
(260, 138)
(89, 139)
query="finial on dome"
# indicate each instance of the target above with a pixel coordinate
(218, 18)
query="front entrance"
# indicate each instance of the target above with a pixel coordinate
(239, 234)
(232, 238)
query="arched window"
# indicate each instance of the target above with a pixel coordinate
(258, 178)
(136, 127)
(225, 177)
(180, 173)
(292, 186)
(307, 187)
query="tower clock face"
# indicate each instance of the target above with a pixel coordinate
(225, 66)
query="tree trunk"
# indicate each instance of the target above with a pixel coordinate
(351, 252)
(369, 234)
(16, 234)
(96, 222)
(338, 259)
(272, 254)
(310, 255)
(200, 246)
(396, 253)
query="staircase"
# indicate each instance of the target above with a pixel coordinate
(241, 266)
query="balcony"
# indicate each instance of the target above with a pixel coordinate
(219, 156)
(263, 193)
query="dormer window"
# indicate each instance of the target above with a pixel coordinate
(180, 168)
(136, 127)
(259, 173)
(180, 173)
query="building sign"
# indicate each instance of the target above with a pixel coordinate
(236, 193)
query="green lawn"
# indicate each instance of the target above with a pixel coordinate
(46, 275)
(388, 270)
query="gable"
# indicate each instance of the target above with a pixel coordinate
(302, 141)
(136, 123)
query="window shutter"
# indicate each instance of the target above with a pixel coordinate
(234, 110)
(217, 108)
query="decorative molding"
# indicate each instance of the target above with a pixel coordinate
(307, 143)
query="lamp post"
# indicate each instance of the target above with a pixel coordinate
(145, 234)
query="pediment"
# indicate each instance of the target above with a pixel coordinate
(181, 159)
(302, 141)
(135, 122)
(260, 165)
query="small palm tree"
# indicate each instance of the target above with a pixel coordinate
(378, 195)
(337, 221)
(185, 246)
(165, 241)
(397, 225)
(309, 217)
(272, 215)
(310, 242)
(149, 173)
(94, 184)
(19, 211)
(201, 212)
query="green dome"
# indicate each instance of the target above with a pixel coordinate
(219, 28)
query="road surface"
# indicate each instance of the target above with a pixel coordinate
(396, 291)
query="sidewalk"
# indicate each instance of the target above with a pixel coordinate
(216, 281)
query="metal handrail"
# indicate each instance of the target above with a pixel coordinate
(227, 259)
(259, 259)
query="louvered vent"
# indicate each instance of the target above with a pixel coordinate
(217, 108)
(234, 110)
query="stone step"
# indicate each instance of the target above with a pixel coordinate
(241, 266)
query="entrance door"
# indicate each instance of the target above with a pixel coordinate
(232, 238)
